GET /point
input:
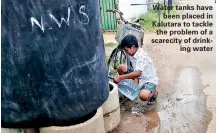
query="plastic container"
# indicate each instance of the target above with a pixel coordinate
(54, 69)
(129, 89)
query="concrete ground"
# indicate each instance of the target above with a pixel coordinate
(187, 97)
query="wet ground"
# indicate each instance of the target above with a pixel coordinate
(183, 109)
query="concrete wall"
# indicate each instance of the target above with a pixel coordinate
(132, 11)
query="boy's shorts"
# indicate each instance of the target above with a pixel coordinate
(147, 86)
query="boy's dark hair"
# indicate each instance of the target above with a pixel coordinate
(128, 41)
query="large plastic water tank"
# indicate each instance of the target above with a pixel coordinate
(54, 70)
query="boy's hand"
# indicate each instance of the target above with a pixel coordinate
(117, 79)
(136, 80)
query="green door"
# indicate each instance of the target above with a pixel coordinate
(108, 19)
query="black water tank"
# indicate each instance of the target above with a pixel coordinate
(53, 62)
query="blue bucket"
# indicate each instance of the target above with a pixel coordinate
(129, 88)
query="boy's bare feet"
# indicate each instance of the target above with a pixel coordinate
(153, 99)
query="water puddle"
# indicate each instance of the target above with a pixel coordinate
(185, 110)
